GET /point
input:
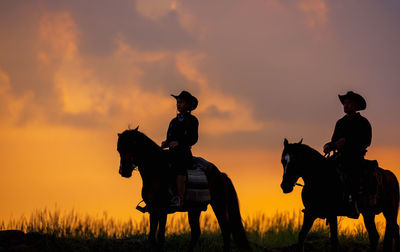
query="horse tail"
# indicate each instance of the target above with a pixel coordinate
(396, 206)
(234, 216)
(392, 191)
(391, 205)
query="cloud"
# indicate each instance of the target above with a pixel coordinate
(230, 114)
(58, 36)
(78, 89)
(155, 9)
(98, 90)
(81, 89)
(316, 12)
(10, 105)
(256, 66)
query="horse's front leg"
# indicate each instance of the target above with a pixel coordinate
(161, 230)
(334, 232)
(153, 227)
(308, 221)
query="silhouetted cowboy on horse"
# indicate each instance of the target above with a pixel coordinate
(351, 137)
(181, 136)
(159, 169)
(322, 194)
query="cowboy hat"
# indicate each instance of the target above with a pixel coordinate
(358, 99)
(185, 95)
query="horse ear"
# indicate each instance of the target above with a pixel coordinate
(137, 128)
(285, 142)
(301, 141)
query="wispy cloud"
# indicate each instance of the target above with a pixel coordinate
(316, 12)
(221, 113)
(11, 106)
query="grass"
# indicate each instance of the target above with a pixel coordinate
(73, 231)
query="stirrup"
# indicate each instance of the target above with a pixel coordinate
(176, 202)
(140, 208)
(354, 212)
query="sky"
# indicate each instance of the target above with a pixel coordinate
(73, 74)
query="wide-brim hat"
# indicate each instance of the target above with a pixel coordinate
(189, 98)
(358, 99)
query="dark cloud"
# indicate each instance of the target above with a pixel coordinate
(293, 73)
(213, 111)
(265, 55)
(163, 75)
(99, 25)
(101, 21)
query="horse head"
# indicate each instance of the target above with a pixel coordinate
(292, 165)
(128, 146)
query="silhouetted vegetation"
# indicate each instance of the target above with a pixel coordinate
(47, 230)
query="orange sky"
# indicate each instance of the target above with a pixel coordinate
(73, 75)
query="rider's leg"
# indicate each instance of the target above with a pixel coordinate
(179, 165)
(355, 174)
(351, 186)
(180, 188)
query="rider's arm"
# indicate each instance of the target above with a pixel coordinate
(337, 140)
(169, 139)
(191, 134)
(367, 132)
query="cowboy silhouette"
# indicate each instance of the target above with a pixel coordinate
(182, 134)
(351, 137)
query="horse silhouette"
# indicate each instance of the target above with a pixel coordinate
(137, 150)
(322, 195)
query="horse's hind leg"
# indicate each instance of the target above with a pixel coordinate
(308, 221)
(390, 211)
(334, 232)
(153, 227)
(369, 221)
(397, 239)
(391, 233)
(221, 212)
(161, 230)
(194, 221)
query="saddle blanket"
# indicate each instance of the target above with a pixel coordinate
(197, 183)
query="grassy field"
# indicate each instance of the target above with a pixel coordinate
(72, 231)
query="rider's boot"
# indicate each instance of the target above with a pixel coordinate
(177, 201)
(353, 211)
(142, 209)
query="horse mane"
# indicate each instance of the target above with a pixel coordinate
(311, 151)
(306, 153)
(130, 134)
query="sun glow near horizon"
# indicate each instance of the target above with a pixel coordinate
(50, 170)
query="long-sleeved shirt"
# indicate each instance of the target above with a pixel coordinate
(183, 129)
(357, 132)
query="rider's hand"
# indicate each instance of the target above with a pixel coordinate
(328, 148)
(164, 144)
(173, 144)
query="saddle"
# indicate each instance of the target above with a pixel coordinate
(197, 183)
(369, 180)
(369, 176)
(197, 194)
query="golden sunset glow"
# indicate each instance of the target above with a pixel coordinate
(73, 75)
